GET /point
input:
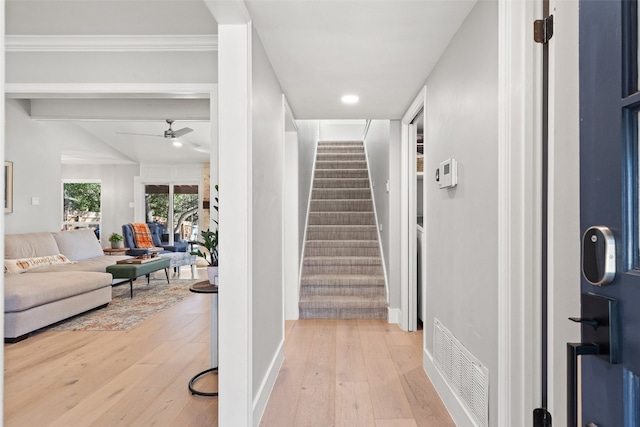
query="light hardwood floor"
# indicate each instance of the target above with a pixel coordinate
(353, 373)
(336, 373)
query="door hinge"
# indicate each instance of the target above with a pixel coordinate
(543, 30)
(541, 418)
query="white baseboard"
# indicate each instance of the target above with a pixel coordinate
(394, 315)
(455, 408)
(260, 402)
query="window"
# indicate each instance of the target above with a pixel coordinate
(82, 206)
(175, 207)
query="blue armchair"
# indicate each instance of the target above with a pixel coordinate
(176, 253)
(156, 234)
(161, 238)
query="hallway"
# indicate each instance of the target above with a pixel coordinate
(353, 373)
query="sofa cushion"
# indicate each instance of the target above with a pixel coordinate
(98, 264)
(24, 291)
(29, 245)
(78, 245)
(25, 264)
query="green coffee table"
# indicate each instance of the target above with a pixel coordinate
(133, 271)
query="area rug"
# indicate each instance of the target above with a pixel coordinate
(124, 312)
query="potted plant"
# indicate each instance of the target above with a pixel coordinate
(209, 241)
(116, 240)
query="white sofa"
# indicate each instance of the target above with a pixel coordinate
(47, 294)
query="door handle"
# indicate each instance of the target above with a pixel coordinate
(599, 332)
(573, 351)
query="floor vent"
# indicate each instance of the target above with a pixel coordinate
(466, 376)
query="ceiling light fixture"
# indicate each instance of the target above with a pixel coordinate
(177, 143)
(350, 99)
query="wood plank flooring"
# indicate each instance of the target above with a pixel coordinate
(336, 373)
(137, 377)
(348, 373)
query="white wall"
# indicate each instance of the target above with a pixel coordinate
(342, 130)
(267, 201)
(461, 227)
(377, 147)
(292, 249)
(111, 67)
(34, 149)
(308, 134)
(117, 193)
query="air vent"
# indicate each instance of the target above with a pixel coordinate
(466, 376)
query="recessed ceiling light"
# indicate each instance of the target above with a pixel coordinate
(350, 99)
(177, 143)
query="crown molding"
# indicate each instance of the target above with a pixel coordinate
(115, 43)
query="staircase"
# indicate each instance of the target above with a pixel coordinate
(342, 276)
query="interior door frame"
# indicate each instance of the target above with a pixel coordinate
(408, 234)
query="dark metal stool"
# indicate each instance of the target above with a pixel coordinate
(205, 288)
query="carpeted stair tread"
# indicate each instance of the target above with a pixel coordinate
(342, 243)
(353, 232)
(344, 307)
(341, 173)
(341, 142)
(343, 279)
(344, 301)
(341, 164)
(337, 156)
(342, 218)
(342, 265)
(340, 193)
(340, 183)
(343, 205)
(341, 149)
(342, 260)
(342, 248)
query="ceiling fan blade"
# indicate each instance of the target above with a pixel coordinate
(139, 134)
(180, 132)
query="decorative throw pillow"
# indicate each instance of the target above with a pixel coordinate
(24, 264)
(78, 245)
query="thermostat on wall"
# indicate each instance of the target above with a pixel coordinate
(447, 173)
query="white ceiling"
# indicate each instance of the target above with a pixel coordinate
(130, 138)
(381, 50)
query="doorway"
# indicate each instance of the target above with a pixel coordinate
(412, 195)
(417, 140)
(175, 208)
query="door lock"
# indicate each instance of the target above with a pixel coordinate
(598, 255)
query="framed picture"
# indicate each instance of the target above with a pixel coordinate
(8, 187)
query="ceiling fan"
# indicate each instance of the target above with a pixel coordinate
(169, 133)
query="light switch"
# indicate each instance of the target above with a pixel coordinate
(35, 201)
(131, 205)
(387, 186)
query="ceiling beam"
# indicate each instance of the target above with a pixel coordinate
(109, 90)
(112, 43)
(120, 109)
